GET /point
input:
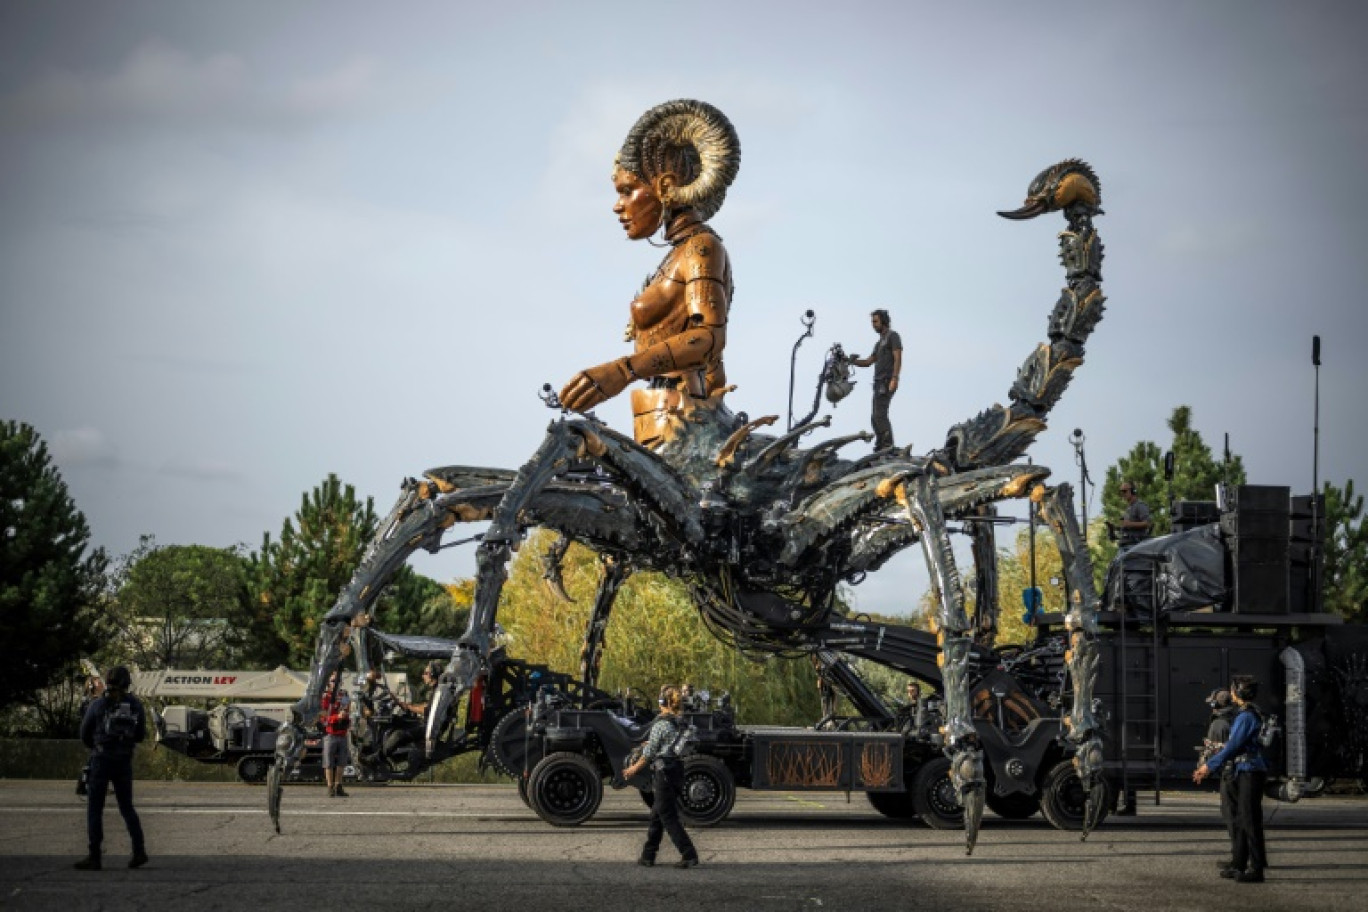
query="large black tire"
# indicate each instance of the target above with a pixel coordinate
(254, 768)
(522, 791)
(933, 796)
(895, 805)
(1016, 806)
(1063, 800)
(709, 791)
(565, 789)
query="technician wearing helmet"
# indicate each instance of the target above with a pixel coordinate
(113, 726)
(667, 781)
(1243, 750)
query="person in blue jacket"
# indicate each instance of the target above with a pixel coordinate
(1248, 857)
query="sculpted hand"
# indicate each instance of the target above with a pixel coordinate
(596, 384)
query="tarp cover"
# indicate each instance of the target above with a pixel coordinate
(416, 647)
(1186, 571)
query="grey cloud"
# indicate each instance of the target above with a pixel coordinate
(160, 84)
(202, 470)
(83, 446)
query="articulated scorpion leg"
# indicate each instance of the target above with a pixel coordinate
(491, 560)
(985, 579)
(953, 631)
(551, 567)
(1082, 658)
(414, 522)
(591, 655)
(640, 471)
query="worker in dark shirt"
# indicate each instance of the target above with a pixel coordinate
(114, 724)
(1243, 750)
(887, 361)
(1135, 523)
(404, 744)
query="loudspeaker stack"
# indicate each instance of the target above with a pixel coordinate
(1256, 524)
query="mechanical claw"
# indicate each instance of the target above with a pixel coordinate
(966, 771)
(289, 748)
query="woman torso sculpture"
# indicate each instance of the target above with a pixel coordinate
(672, 174)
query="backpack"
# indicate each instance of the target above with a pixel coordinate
(1269, 731)
(119, 727)
(685, 743)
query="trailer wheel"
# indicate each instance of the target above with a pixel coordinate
(254, 767)
(895, 805)
(934, 798)
(565, 789)
(709, 791)
(1064, 800)
(1016, 806)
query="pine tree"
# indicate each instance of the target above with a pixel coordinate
(296, 579)
(1196, 474)
(49, 580)
(1345, 581)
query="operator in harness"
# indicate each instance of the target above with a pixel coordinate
(1244, 750)
(667, 779)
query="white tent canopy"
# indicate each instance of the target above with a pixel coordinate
(280, 684)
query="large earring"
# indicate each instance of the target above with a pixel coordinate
(664, 226)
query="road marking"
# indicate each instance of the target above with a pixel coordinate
(805, 802)
(306, 812)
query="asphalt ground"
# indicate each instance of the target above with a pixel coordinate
(477, 847)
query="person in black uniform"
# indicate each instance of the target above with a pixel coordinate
(667, 781)
(1243, 751)
(113, 726)
(1218, 733)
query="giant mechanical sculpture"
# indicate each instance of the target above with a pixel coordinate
(761, 530)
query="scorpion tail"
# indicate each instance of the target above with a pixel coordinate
(1001, 434)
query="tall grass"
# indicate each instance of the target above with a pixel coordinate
(655, 637)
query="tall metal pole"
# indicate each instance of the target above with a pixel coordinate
(1082, 459)
(809, 319)
(1315, 484)
(1031, 516)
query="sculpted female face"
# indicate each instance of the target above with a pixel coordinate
(638, 207)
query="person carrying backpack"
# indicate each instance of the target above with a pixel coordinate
(668, 733)
(112, 727)
(1245, 750)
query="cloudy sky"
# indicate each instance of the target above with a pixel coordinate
(245, 245)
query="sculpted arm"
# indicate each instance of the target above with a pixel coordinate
(697, 346)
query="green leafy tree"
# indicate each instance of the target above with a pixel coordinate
(50, 580)
(1346, 553)
(1196, 474)
(180, 606)
(294, 580)
(1014, 577)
